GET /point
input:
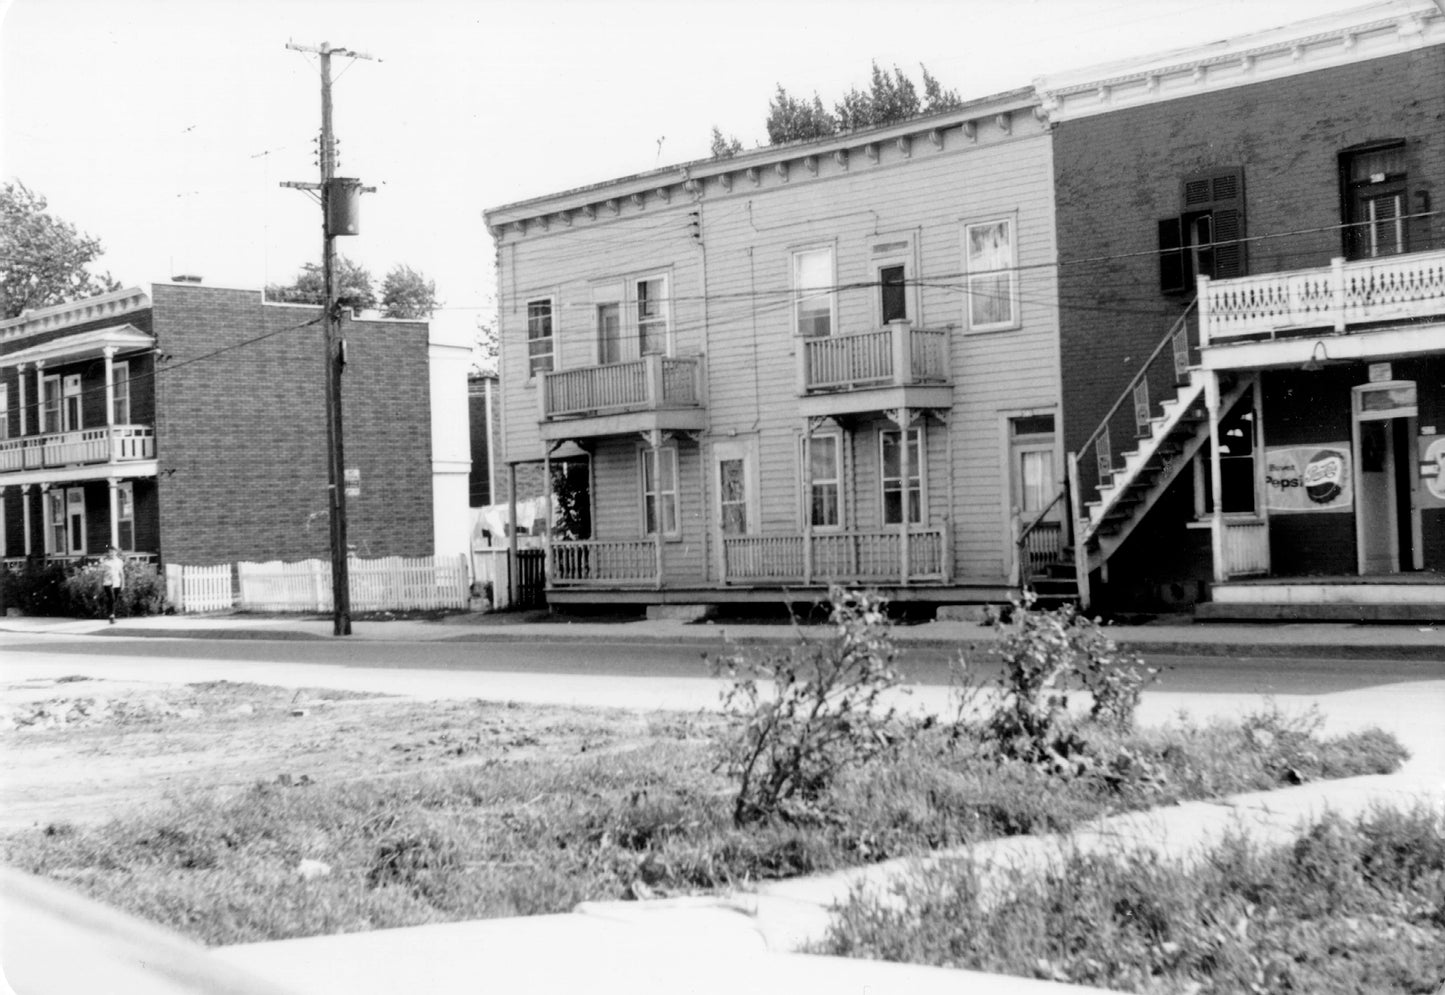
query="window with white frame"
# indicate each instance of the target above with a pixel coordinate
(541, 348)
(120, 391)
(814, 288)
(825, 478)
(650, 304)
(50, 405)
(991, 263)
(4, 411)
(71, 418)
(895, 490)
(55, 532)
(125, 515)
(659, 491)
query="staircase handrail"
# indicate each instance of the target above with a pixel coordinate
(1140, 376)
(1038, 520)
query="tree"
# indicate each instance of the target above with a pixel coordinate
(724, 147)
(353, 286)
(405, 293)
(890, 97)
(793, 120)
(43, 259)
(487, 354)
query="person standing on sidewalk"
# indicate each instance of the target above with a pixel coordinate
(113, 579)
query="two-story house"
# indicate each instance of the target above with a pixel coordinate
(188, 424)
(825, 361)
(1252, 278)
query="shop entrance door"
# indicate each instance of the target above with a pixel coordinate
(1387, 513)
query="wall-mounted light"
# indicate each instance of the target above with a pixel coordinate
(1318, 358)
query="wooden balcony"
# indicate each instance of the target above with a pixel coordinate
(862, 556)
(898, 366)
(82, 447)
(1345, 297)
(652, 393)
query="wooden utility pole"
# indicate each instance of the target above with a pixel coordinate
(329, 189)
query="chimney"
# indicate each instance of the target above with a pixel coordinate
(185, 278)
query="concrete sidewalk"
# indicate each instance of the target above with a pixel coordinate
(1169, 636)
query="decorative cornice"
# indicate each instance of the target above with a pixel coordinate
(1342, 38)
(102, 307)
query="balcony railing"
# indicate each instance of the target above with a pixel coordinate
(107, 444)
(1392, 288)
(895, 356)
(595, 562)
(645, 384)
(864, 555)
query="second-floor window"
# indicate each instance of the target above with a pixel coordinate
(990, 259)
(609, 333)
(1374, 207)
(650, 301)
(4, 411)
(540, 342)
(1205, 239)
(814, 292)
(120, 383)
(50, 405)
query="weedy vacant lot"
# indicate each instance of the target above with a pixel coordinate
(236, 812)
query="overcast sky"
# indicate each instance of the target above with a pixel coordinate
(164, 127)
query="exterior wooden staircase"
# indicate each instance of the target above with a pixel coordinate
(1165, 438)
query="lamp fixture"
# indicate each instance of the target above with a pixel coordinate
(1318, 357)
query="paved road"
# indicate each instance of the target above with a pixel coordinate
(926, 666)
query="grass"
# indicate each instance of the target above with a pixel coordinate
(536, 830)
(1350, 907)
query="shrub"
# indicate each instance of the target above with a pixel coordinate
(826, 712)
(1045, 656)
(37, 588)
(144, 592)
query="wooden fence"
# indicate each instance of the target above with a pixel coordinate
(392, 583)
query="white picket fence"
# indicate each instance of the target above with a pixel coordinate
(199, 589)
(392, 583)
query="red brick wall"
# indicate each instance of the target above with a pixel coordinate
(1118, 175)
(241, 434)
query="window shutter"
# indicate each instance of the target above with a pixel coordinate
(1221, 193)
(1228, 251)
(1171, 256)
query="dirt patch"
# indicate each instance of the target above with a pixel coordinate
(81, 749)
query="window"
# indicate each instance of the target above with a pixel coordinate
(50, 405)
(1374, 208)
(4, 411)
(733, 496)
(71, 419)
(992, 275)
(55, 533)
(825, 472)
(120, 382)
(540, 349)
(659, 491)
(892, 293)
(125, 515)
(651, 302)
(75, 518)
(1204, 240)
(1236, 464)
(609, 333)
(891, 456)
(813, 285)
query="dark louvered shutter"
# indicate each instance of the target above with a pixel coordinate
(1221, 193)
(1173, 278)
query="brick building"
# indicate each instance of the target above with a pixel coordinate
(188, 425)
(1252, 329)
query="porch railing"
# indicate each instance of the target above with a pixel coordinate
(861, 555)
(641, 384)
(600, 562)
(1043, 540)
(106, 444)
(898, 354)
(1392, 288)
